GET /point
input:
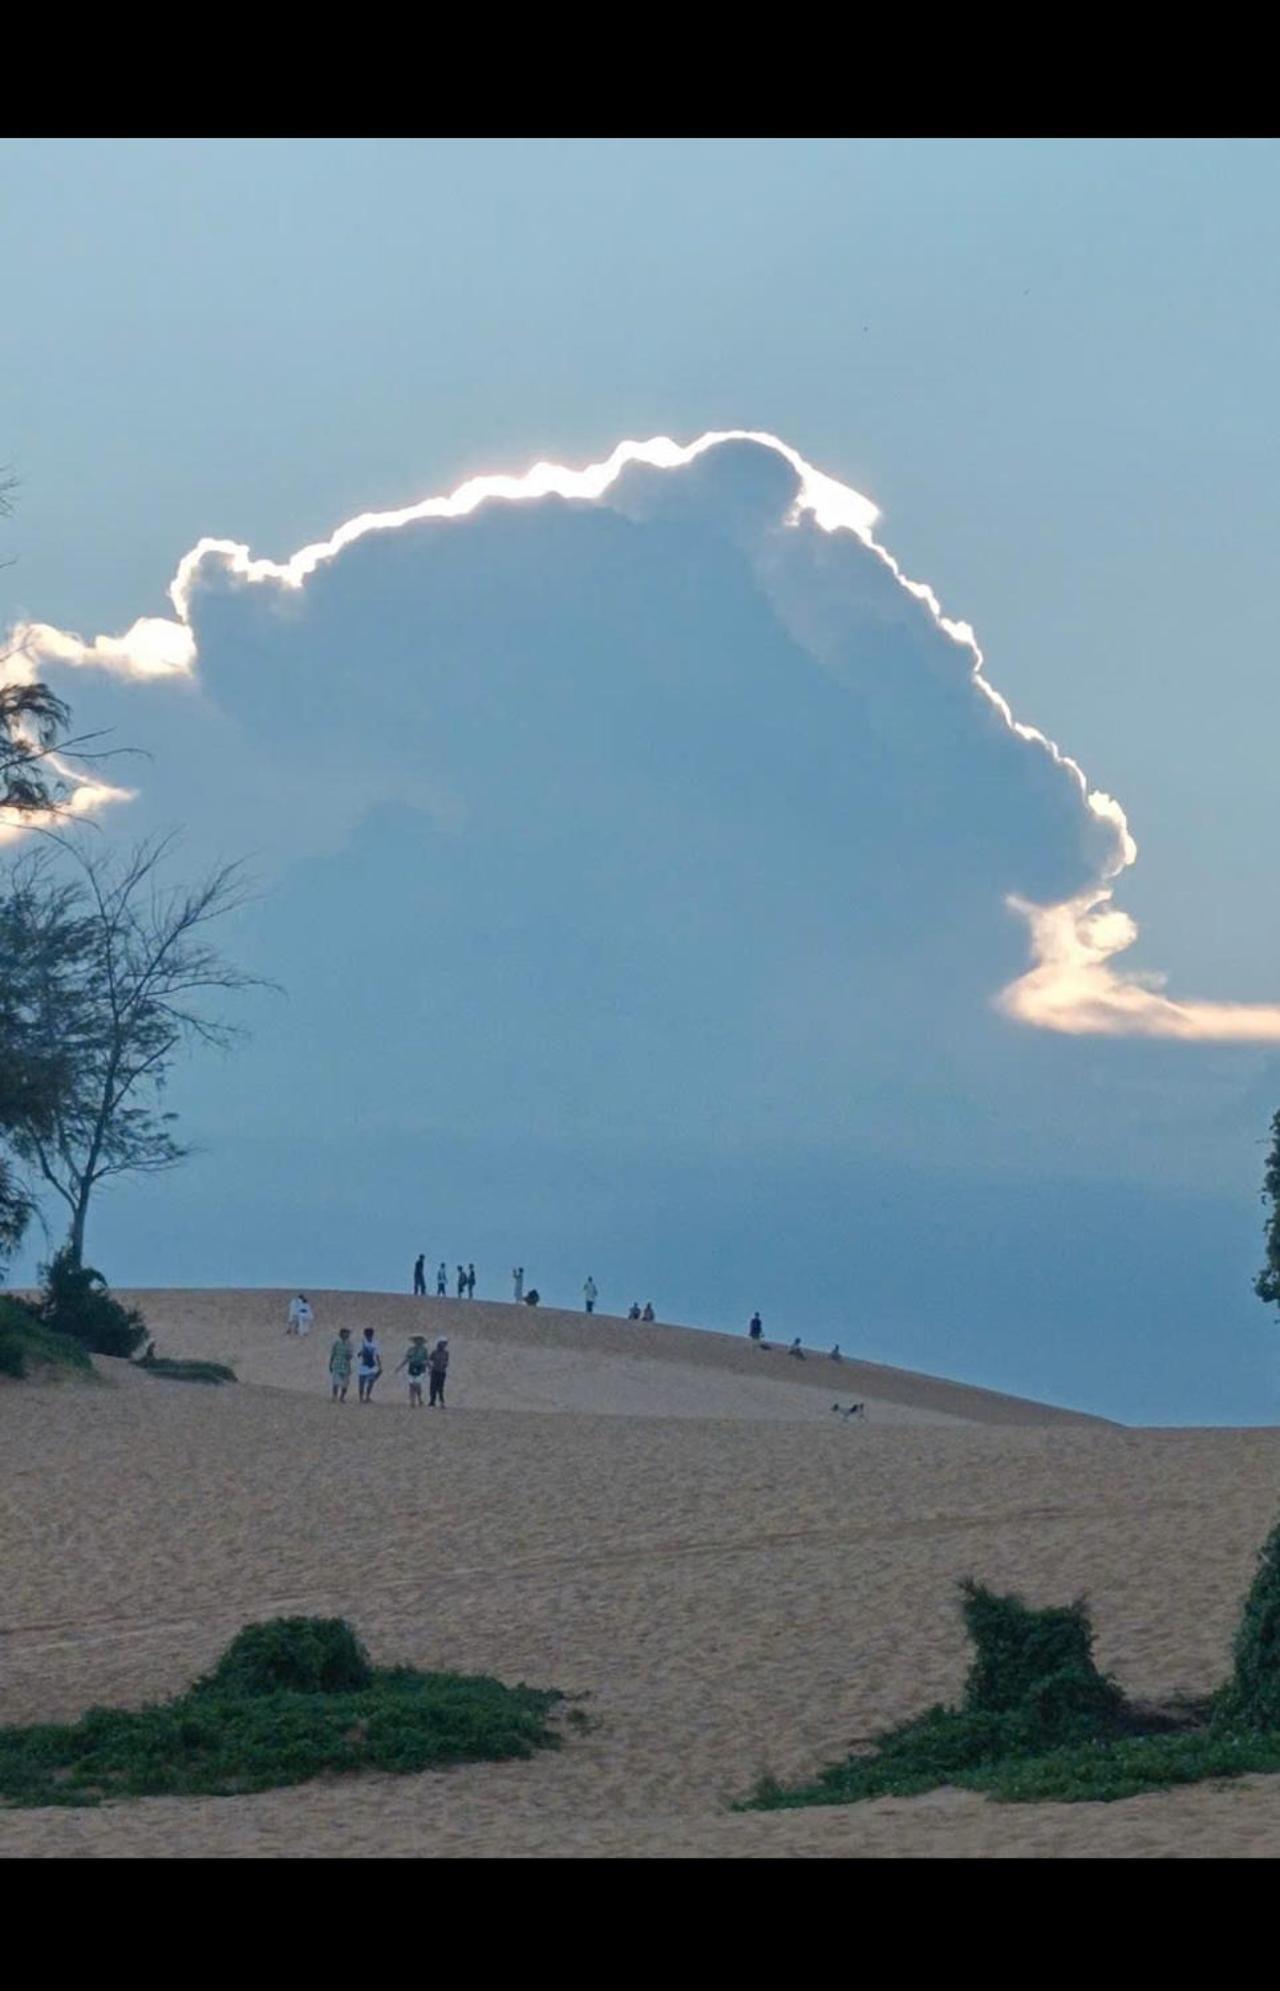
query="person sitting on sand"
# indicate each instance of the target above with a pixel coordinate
(633, 1311)
(300, 1315)
(756, 1329)
(836, 1356)
(368, 1365)
(415, 1361)
(532, 1297)
(439, 1370)
(648, 1313)
(442, 1281)
(796, 1350)
(340, 1365)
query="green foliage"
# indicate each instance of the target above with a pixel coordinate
(235, 1732)
(25, 1341)
(1034, 1663)
(295, 1655)
(75, 1301)
(186, 1372)
(1037, 1718)
(1267, 1283)
(1252, 1695)
(943, 1748)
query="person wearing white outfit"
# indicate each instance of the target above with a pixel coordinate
(300, 1315)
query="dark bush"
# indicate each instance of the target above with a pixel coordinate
(291, 1655)
(75, 1301)
(1252, 1696)
(1033, 1662)
(174, 1371)
(225, 1736)
(24, 1340)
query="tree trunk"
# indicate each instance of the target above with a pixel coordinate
(75, 1236)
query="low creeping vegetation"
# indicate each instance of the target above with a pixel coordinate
(1038, 1722)
(289, 1700)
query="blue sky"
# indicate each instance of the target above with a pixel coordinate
(1051, 365)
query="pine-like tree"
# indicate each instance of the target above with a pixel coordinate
(1267, 1283)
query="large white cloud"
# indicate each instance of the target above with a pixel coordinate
(522, 659)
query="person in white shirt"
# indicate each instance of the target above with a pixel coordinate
(300, 1315)
(368, 1365)
(517, 1274)
(589, 1294)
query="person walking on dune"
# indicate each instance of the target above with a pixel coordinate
(368, 1365)
(340, 1365)
(442, 1281)
(590, 1294)
(415, 1361)
(300, 1315)
(420, 1276)
(439, 1370)
(517, 1275)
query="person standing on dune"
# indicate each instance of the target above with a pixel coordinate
(442, 1281)
(420, 1276)
(415, 1361)
(589, 1294)
(368, 1365)
(439, 1370)
(462, 1282)
(517, 1274)
(300, 1315)
(340, 1365)
(471, 1282)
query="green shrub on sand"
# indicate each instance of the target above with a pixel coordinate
(1039, 1722)
(291, 1655)
(1251, 1698)
(174, 1371)
(26, 1344)
(289, 1700)
(75, 1301)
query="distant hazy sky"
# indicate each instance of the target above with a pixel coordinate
(1052, 364)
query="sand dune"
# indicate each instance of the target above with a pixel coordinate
(669, 1523)
(519, 1358)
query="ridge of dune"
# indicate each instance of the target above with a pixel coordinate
(514, 1357)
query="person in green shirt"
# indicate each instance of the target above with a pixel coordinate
(415, 1361)
(340, 1365)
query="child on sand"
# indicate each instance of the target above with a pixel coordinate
(340, 1365)
(415, 1361)
(368, 1365)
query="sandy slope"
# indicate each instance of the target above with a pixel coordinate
(740, 1584)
